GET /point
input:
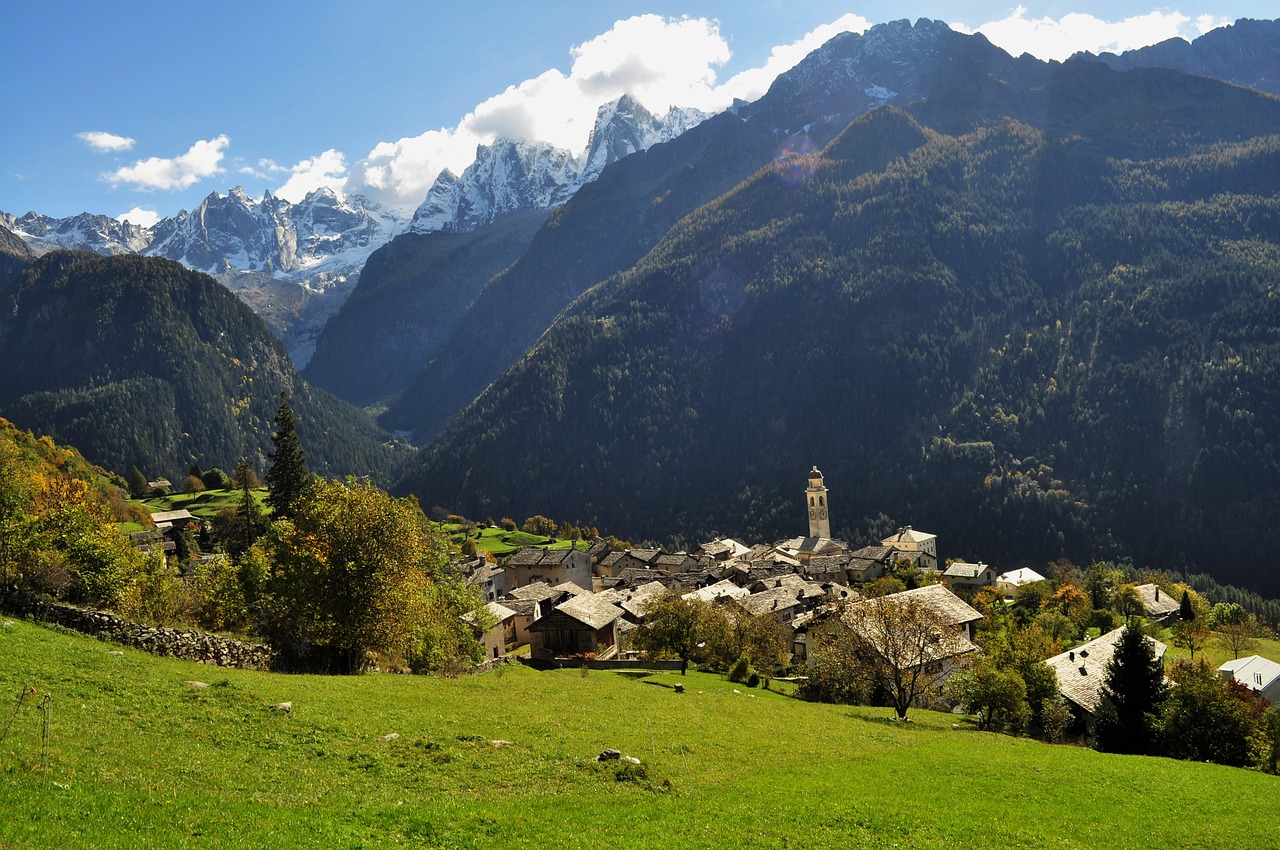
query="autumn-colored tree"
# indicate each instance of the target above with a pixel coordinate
(732, 633)
(908, 644)
(1071, 601)
(358, 574)
(539, 525)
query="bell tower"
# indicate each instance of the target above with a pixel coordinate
(816, 496)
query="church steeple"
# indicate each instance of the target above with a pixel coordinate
(816, 495)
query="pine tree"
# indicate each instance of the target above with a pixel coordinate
(287, 477)
(1186, 611)
(137, 483)
(1132, 696)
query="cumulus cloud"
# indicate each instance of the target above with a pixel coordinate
(181, 172)
(1049, 38)
(100, 141)
(662, 62)
(328, 169)
(140, 217)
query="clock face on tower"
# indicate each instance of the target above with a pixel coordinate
(822, 513)
(813, 513)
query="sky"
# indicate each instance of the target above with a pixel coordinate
(138, 109)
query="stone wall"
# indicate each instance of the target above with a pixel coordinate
(172, 643)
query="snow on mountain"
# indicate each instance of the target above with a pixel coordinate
(510, 176)
(98, 233)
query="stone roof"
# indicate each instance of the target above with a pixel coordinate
(537, 591)
(169, 517)
(612, 558)
(961, 569)
(721, 589)
(527, 557)
(523, 607)
(673, 561)
(1082, 671)
(953, 610)
(590, 610)
(646, 555)
(908, 535)
(1158, 603)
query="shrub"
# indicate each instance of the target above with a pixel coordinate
(753, 680)
(740, 670)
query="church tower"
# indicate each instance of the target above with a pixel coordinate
(819, 519)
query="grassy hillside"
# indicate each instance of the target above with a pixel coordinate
(138, 757)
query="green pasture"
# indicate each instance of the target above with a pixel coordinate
(136, 756)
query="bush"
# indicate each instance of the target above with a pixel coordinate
(753, 680)
(1055, 719)
(740, 670)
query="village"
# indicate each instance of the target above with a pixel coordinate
(560, 607)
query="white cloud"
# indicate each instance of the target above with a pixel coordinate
(140, 217)
(660, 61)
(1204, 23)
(100, 141)
(263, 170)
(181, 172)
(1049, 38)
(329, 169)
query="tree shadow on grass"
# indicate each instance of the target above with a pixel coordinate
(895, 723)
(633, 674)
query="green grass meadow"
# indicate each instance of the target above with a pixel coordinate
(139, 758)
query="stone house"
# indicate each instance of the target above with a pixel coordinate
(960, 574)
(907, 539)
(552, 566)
(497, 636)
(1082, 672)
(582, 625)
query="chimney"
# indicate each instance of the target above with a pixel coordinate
(1157, 594)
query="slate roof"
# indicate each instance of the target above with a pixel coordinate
(908, 535)
(960, 569)
(590, 610)
(537, 591)
(721, 589)
(528, 557)
(1082, 671)
(954, 610)
(1157, 602)
(169, 517)
(646, 555)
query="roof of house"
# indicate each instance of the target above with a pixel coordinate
(1082, 671)
(671, 560)
(908, 535)
(527, 557)
(1019, 577)
(954, 610)
(810, 545)
(769, 601)
(721, 589)
(590, 610)
(523, 607)
(162, 517)
(1253, 670)
(638, 601)
(645, 555)
(537, 591)
(960, 569)
(1157, 602)
(612, 558)
(485, 573)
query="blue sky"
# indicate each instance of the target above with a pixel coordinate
(149, 106)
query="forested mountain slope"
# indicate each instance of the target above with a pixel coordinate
(412, 294)
(139, 361)
(1046, 337)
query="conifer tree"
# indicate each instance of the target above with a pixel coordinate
(287, 477)
(137, 483)
(1186, 611)
(1132, 696)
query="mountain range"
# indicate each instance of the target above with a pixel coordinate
(1024, 304)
